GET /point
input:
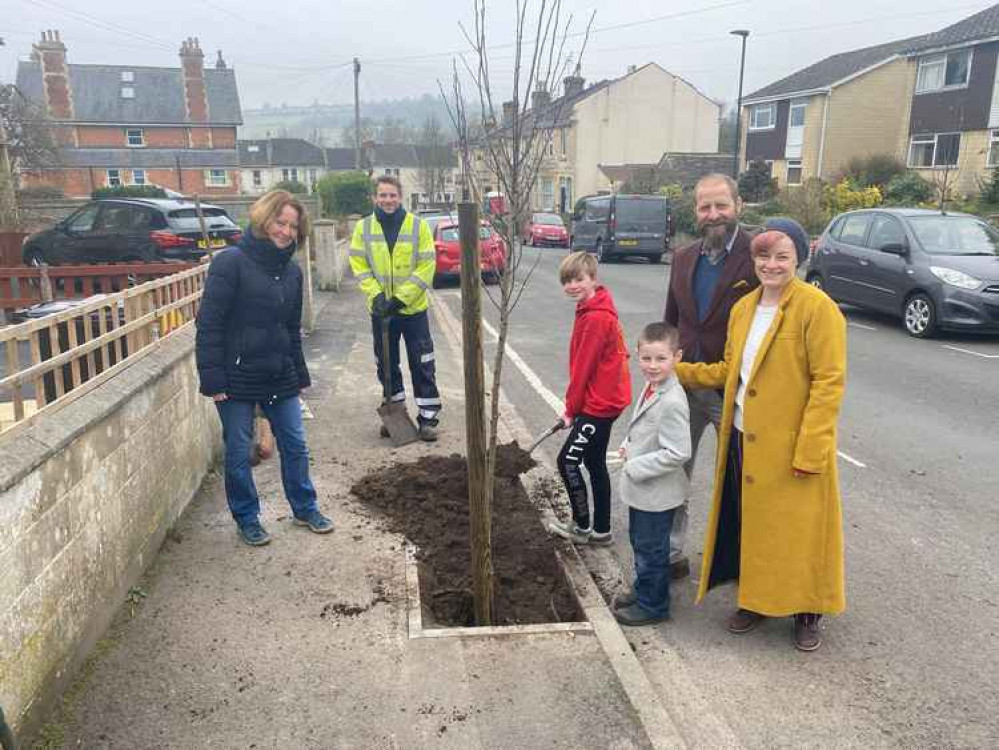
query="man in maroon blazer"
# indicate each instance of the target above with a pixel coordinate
(707, 278)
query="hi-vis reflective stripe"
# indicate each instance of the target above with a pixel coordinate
(428, 402)
(419, 282)
(369, 252)
(365, 275)
(427, 414)
(428, 357)
(400, 396)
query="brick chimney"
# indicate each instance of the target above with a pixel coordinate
(540, 99)
(51, 53)
(192, 64)
(574, 84)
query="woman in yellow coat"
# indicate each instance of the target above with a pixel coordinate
(775, 525)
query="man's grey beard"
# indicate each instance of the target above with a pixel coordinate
(716, 241)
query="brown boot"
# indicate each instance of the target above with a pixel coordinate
(807, 636)
(743, 621)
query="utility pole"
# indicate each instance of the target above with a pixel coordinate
(738, 105)
(357, 113)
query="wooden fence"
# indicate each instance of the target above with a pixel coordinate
(24, 286)
(58, 358)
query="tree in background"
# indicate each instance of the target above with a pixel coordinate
(726, 131)
(643, 181)
(345, 193)
(756, 185)
(292, 186)
(26, 145)
(434, 157)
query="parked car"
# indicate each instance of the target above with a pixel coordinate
(614, 226)
(546, 230)
(935, 270)
(491, 246)
(131, 229)
(434, 216)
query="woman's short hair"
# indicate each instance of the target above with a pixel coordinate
(576, 265)
(764, 242)
(270, 205)
(388, 179)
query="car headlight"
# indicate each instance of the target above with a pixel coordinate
(955, 278)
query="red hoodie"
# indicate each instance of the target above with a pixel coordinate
(599, 381)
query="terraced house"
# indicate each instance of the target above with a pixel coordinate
(932, 101)
(135, 125)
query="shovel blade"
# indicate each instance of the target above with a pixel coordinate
(397, 421)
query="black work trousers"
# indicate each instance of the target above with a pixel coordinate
(415, 331)
(586, 446)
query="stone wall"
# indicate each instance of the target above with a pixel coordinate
(87, 495)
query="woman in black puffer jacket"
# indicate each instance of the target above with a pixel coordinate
(249, 353)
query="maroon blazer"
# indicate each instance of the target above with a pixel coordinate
(704, 341)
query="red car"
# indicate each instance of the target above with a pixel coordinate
(448, 246)
(546, 230)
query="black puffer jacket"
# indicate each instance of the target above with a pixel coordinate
(249, 342)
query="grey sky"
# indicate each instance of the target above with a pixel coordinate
(298, 56)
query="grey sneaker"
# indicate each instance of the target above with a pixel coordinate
(569, 530)
(316, 521)
(254, 535)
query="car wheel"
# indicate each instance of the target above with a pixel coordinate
(34, 257)
(816, 281)
(602, 255)
(920, 316)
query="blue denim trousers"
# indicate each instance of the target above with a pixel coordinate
(649, 533)
(285, 417)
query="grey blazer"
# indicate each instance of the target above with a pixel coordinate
(658, 445)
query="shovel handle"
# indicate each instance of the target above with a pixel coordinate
(386, 361)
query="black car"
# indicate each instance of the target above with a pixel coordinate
(935, 270)
(615, 226)
(131, 229)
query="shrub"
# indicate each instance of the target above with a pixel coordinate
(845, 196)
(755, 184)
(292, 186)
(989, 188)
(908, 189)
(872, 171)
(41, 193)
(684, 215)
(807, 204)
(130, 191)
(345, 193)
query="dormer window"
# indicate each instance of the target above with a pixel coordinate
(135, 138)
(127, 76)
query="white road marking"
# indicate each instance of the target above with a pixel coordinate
(851, 460)
(983, 355)
(861, 326)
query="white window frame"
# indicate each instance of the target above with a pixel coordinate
(771, 107)
(130, 133)
(926, 138)
(257, 178)
(941, 59)
(793, 164)
(993, 156)
(139, 177)
(211, 178)
(112, 177)
(803, 106)
(127, 76)
(127, 92)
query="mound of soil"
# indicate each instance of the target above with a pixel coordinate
(427, 501)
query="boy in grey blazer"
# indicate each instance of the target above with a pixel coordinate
(653, 483)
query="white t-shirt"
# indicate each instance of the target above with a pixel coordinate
(762, 319)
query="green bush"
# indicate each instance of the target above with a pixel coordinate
(130, 191)
(989, 188)
(41, 193)
(684, 215)
(292, 186)
(345, 193)
(908, 189)
(755, 184)
(845, 196)
(807, 205)
(872, 171)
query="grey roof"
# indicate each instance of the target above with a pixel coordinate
(147, 158)
(685, 169)
(340, 159)
(826, 72)
(982, 25)
(404, 155)
(280, 152)
(159, 94)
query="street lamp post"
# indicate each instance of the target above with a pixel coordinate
(738, 106)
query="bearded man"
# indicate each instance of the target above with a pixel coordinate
(707, 278)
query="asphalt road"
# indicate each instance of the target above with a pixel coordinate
(915, 659)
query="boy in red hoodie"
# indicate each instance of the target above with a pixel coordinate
(599, 391)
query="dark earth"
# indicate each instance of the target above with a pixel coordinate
(427, 501)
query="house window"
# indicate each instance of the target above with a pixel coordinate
(216, 178)
(939, 150)
(563, 139)
(127, 92)
(550, 147)
(763, 117)
(937, 72)
(256, 178)
(312, 177)
(994, 149)
(794, 171)
(134, 137)
(289, 175)
(114, 178)
(797, 115)
(127, 76)
(547, 194)
(138, 177)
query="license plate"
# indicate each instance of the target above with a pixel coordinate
(214, 244)
(627, 243)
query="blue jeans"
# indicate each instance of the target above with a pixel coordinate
(285, 417)
(649, 534)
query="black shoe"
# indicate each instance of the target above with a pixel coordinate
(742, 621)
(679, 569)
(807, 636)
(634, 616)
(428, 433)
(254, 535)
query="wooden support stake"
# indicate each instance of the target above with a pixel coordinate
(480, 486)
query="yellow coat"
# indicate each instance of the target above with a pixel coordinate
(791, 554)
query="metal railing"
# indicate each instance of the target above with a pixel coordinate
(52, 360)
